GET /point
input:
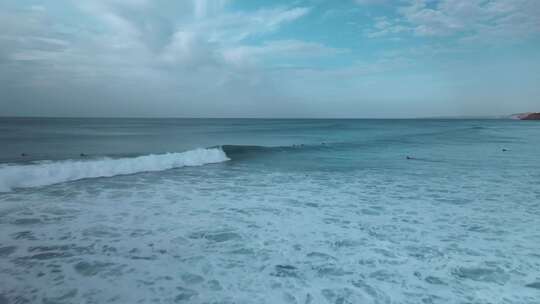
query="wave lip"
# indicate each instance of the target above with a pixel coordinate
(48, 173)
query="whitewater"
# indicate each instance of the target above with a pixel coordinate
(51, 172)
(273, 211)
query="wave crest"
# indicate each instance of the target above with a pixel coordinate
(48, 173)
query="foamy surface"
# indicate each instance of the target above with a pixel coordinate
(45, 173)
(338, 223)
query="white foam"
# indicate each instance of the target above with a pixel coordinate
(48, 173)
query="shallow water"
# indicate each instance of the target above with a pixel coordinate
(287, 219)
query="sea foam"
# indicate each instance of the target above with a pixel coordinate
(48, 173)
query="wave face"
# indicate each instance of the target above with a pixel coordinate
(48, 173)
(237, 152)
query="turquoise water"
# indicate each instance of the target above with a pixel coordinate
(269, 211)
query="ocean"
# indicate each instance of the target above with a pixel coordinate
(269, 211)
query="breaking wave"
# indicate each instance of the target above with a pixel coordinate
(53, 172)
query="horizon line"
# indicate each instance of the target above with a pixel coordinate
(506, 116)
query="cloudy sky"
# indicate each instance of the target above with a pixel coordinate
(255, 58)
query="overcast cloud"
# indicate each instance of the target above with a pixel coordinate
(219, 58)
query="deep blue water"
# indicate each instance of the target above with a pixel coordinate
(269, 211)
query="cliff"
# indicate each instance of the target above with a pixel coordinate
(530, 116)
(527, 116)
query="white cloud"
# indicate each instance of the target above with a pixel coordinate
(205, 8)
(384, 26)
(197, 34)
(179, 51)
(219, 39)
(249, 55)
(472, 19)
(371, 2)
(237, 26)
(186, 53)
(189, 49)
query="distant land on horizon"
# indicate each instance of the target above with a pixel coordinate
(526, 116)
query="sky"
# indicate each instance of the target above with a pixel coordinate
(282, 59)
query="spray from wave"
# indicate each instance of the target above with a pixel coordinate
(48, 173)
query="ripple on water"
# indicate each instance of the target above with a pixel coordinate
(331, 270)
(24, 235)
(6, 251)
(376, 295)
(285, 271)
(479, 274)
(66, 297)
(48, 256)
(185, 295)
(535, 285)
(343, 296)
(214, 285)
(191, 279)
(320, 256)
(434, 280)
(101, 232)
(27, 221)
(243, 251)
(89, 269)
(426, 253)
(384, 276)
(51, 248)
(216, 237)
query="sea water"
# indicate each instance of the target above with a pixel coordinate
(269, 211)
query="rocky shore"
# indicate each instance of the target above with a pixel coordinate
(527, 116)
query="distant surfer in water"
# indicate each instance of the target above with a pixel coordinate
(410, 158)
(23, 154)
(82, 155)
